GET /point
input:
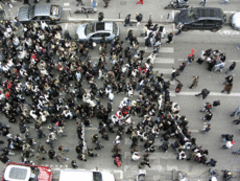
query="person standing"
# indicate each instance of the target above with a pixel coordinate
(128, 20)
(206, 128)
(236, 112)
(106, 3)
(227, 88)
(80, 2)
(231, 68)
(204, 93)
(203, 2)
(139, 19)
(195, 82)
(179, 27)
(140, 2)
(100, 16)
(74, 164)
(207, 117)
(170, 38)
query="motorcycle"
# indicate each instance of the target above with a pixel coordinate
(85, 10)
(175, 4)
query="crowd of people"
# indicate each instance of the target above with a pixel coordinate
(41, 62)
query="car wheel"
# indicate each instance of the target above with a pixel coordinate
(214, 29)
(185, 29)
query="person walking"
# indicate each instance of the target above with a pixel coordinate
(227, 88)
(204, 93)
(195, 82)
(179, 27)
(231, 68)
(140, 2)
(128, 20)
(80, 2)
(212, 162)
(170, 38)
(203, 2)
(207, 117)
(191, 57)
(139, 19)
(206, 128)
(74, 164)
(236, 112)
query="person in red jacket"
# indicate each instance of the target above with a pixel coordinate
(140, 2)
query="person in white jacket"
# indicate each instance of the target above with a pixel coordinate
(135, 156)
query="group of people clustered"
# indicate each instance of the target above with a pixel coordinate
(39, 63)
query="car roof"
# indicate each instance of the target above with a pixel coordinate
(42, 10)
(104, 26)
(210, 13)
(17, 173)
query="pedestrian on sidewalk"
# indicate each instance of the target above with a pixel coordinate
(195, 82)
(224, 2)
(228, 145)
(128, 20)
(227, 88)
(170, 38)
(139, 19)
(231, 68)
(80, 2)
(204, 93)
(203, 2)
(140, 2)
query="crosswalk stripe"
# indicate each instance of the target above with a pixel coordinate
(161, 50)
(164, 61)
(211, 94)
(163, 70)
(233, 60)
(154, 156)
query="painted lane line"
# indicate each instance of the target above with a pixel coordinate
(164, 61)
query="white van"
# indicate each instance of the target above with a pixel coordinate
(85, 175)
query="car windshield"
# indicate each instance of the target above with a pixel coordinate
(31, 11)
(192, 14)
(89, 28)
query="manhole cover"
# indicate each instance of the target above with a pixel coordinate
(123, 2)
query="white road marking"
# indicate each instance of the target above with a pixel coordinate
(91, 128)
(66, 4)
(164, 61)
(66, 25)
(211, 94)
(120, 172)
(162, 70)
(229, 12)
(233, 60)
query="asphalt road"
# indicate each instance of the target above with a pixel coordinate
(161, 163)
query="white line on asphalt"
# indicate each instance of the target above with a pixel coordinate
(164, 61)
(66, 4)
(66, 25)
(56, 169)
(120, 172)
(233, 60)
(162, 70)
(161, 50)
(229, 12)
(67, 9)
(211, 94)
(91, 128)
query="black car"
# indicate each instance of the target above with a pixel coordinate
(201, 18)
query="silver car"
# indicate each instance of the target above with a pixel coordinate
(97, 30)
(51, 14)
(235, 21)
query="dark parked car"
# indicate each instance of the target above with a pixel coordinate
(51, 14)
(201, 18)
